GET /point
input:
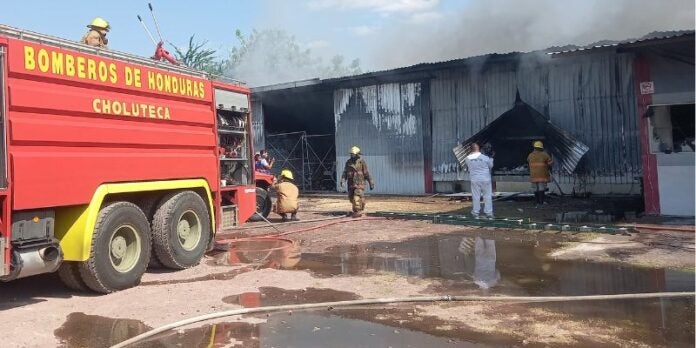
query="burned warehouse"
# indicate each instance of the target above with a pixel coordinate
(618, 118)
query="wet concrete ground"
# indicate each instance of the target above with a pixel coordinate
(457, 263)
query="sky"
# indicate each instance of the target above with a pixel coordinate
(381, 33)
(327, 27)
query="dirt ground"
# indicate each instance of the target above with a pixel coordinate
(35, 310)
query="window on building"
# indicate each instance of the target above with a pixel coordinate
(672, 128)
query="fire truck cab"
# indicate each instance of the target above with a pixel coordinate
(111, 162)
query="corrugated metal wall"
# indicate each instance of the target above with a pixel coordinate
(257, 129)
(591, 96)
(673, 79)
(386, 122)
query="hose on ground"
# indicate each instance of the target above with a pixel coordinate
(335, 222)
(288, 223)
(691, 229)
(445, 298)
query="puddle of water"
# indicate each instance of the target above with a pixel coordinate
(270, 296)
(252, 254)
(328, 330)
(461, 264)
(303, 329)
(81, 330)
(264, 253)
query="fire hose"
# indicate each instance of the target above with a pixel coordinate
(445, 298)
(340, 220)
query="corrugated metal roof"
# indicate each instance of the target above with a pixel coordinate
(646, 39)
(491, 57)
(650, 38)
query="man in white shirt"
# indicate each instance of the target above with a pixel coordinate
(265, 163)
(480, 167)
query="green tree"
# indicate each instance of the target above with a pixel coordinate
(198, 56)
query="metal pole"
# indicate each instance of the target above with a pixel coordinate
(268, 222)
(303, 139)
(152, 12)
(147, 30)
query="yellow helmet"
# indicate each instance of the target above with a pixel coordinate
(354, 150)
(99, 23)
(538, 145)
(287, 174)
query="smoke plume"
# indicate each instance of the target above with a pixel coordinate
(501, 26)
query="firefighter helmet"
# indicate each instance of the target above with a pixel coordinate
(286, 173)
(538, 145)
(354, 150)
(99, 23)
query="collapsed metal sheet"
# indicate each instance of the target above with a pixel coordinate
(525, 122)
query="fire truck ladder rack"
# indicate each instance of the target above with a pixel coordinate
(510, 223)
(107, 53)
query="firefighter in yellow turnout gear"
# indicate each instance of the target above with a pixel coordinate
(96, 36)
(356, 175)
(288, 195)
(539, 170)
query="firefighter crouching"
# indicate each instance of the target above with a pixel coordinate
(96, 36)
(356, 174)
(539, 170)
(288, 193)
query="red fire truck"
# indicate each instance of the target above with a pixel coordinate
(111, 161)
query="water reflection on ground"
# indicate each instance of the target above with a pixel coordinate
(456, 264)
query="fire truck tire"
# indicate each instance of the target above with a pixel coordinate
(69, 274)
(148, 205)
(263, 204)
(181, 230)
(120, 249)
(154, 261)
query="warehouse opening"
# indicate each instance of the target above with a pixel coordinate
(672, 128)
(514, 132)
(299, 133)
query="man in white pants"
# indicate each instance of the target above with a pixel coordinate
(480, 167)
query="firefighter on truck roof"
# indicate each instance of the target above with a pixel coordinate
(96, 36)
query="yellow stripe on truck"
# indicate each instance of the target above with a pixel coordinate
(75, 225)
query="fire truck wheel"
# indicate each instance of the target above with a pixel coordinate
(181, 230)
(263, 204)
(69, 274)
(120, 249)
(148, 205)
